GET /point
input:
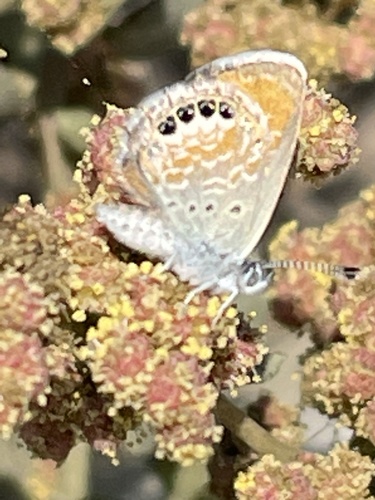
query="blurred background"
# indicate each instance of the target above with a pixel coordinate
(55, 73)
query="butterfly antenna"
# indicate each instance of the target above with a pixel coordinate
(321, 267)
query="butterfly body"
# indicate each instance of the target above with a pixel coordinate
(206, 160)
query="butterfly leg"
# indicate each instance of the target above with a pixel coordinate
(224, 306)
(206, 286)
(168, 264)
(198, 289)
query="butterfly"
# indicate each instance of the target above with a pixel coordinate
(205, 161)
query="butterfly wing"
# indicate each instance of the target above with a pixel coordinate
(137, 227)
(217, 148)
(277, 81)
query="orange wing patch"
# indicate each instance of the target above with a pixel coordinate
(274, 97)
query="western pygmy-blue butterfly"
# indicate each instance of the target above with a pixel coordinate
(205, 162)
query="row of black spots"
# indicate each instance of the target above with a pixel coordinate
(210, 208)
(206, 107)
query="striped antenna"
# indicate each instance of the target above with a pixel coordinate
(321, 267)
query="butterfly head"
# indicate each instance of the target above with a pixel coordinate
(254, 277)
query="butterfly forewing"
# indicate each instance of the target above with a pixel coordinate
(277, 81)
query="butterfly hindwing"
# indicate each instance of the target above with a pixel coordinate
(138, 228)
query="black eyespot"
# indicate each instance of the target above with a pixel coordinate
(236, 209)
(209, 207)
(168, 126)
(226, 110)
(192, 208)
(207, 108)
(186, 113)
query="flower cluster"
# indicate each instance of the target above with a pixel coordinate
(327, 140)
(342, 473)
(111, 344)
(70, 24)
(340, 379)
(320, 39)
(308, 297)
(357, 49)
